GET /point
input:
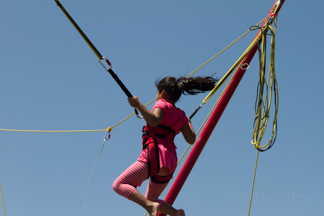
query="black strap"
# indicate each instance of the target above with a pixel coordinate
(161, 179)
(146, 133)
(167, 128)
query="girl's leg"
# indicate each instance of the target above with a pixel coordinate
(126, 183)
(167, 209)
(151, 207)
(153, 192)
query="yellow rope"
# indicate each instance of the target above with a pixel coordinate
(204, 122)
(4, 212)
(263, 109)
(70, 131)
(224, 49)
(255, 169)
(258, 133)
(52, 131)
(221, 82)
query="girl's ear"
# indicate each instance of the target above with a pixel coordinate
(163, 93)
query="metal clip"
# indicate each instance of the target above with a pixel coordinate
(108, 62)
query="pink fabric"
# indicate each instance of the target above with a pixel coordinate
(175, 118)
(126, 183)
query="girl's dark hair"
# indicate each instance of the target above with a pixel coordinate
(183, 85)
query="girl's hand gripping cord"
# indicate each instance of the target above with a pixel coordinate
(152, 118)
(133, 101)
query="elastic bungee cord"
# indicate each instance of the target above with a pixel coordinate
(100, 57)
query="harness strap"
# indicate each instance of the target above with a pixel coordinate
(161, 179)
(160, 129)
(147, 133)
(151, 145)
(152, 155)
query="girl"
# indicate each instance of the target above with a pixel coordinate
(158, 159)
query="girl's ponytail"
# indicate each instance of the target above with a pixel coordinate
(195, 85)
(183, 85)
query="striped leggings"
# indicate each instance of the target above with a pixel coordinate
(126, 183)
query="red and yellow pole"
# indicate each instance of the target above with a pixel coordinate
(217, 113)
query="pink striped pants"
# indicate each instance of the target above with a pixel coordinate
(126, 183)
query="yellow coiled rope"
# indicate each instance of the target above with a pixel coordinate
(267, 90)
(263, 101)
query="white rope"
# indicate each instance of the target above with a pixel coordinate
(107, 136)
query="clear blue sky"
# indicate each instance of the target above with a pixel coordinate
(51, 80)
